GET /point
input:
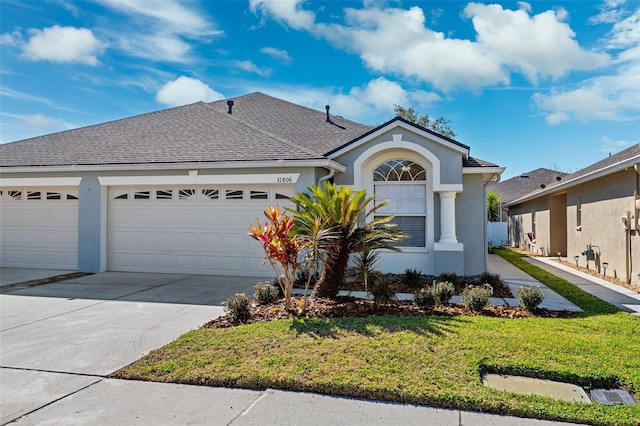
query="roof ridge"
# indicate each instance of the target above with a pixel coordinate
(294, 104)
(264, 132)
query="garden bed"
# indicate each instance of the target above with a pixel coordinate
(350, 307)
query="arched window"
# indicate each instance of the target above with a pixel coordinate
(403, 183)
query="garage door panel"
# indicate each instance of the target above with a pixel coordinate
(38, 232)
(195, 234)
(189, 239)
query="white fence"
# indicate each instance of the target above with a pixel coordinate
(497, 233)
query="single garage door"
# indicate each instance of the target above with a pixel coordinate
(201, 229)
(39, 228)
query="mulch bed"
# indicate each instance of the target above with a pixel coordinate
(360, 308)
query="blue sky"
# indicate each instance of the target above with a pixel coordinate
(552, 84)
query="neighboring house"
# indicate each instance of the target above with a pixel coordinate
(519, 186)
(592, 215)
(175, 190)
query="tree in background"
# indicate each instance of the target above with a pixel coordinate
(439, 125)
(493, 206)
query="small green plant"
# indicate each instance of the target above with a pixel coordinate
(412, 278)
(266, 293)
(530, 297)
(493, 280)
(424, 298)
(237, 307)
(442, 292)
(382, 290)
(476, 297)
(451, 277)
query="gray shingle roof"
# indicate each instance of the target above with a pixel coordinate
(261, 128)
(519, 186)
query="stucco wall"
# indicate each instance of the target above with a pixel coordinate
(470, 224)
(450, 160)
(603, 201)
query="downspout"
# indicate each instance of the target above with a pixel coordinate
(328, 176)
(636, 219)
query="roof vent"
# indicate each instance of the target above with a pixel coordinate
(543, 186)
(524, 176)
(558, 178)
(230, 105)
(327, 107)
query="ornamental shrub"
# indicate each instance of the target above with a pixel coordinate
(442, 292)
(237, 307)
(476, 297)
(382, 290)
(424, 298)
(266, 293)
(530, 297)
(412, 278)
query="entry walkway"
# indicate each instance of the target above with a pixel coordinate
(621, 297)
(515, 278)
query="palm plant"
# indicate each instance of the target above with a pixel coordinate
(344, 215)
(493, 206)
(367, 260)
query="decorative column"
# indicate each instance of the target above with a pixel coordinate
(448, 217)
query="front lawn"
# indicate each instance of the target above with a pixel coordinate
(433, 360)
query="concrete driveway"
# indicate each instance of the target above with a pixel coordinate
(59, 338)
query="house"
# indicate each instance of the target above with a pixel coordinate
(591, 216)
(175, 190)
(523, 184)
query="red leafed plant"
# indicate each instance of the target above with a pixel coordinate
(281, 248)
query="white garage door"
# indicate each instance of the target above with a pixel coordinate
(39, 228)
(190, 229)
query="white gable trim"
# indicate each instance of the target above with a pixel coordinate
(196, 179)
(401, 124)
(43, 181)
(402, 148)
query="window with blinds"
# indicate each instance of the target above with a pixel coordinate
(403, 183)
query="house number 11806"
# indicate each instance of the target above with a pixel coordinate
(285, 179)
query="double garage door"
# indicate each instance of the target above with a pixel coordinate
(189, 229)
(39, 228)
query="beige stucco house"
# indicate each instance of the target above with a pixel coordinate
(591, 216)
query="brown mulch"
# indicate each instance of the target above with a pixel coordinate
(360, 308)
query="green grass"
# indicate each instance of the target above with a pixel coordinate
(436, 361)
(590, 304)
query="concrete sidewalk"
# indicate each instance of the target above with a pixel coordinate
(623, 298)
(515, 278)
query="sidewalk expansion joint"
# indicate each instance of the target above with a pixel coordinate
(70, 373)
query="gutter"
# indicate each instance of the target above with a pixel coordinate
(622, 165)
(74, 168)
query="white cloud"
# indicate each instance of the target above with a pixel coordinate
(609, 12)
(289, 12)
(280, 54)
(40, 122)
(186, 90)
(538, 46)
(397, 41)
(14, 94)
(610, 144)
(159, 30)
(612, 96)
(249, 66)
(57, 44)
(372, 102)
